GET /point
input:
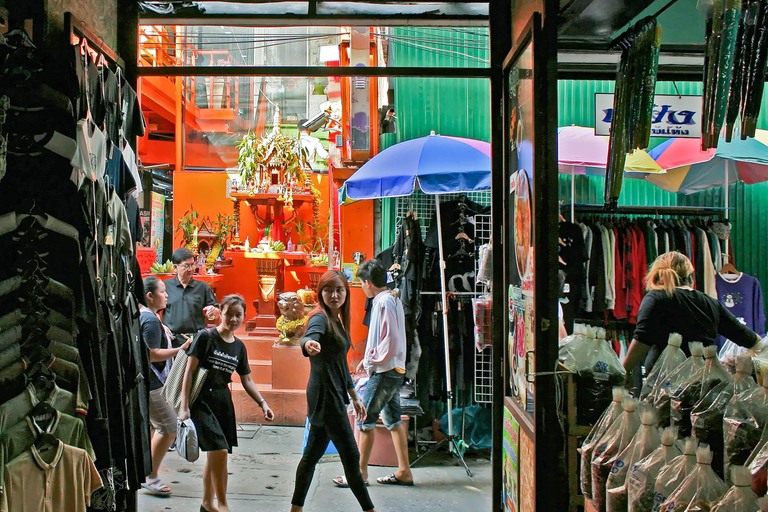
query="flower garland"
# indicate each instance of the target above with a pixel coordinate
(286, 326)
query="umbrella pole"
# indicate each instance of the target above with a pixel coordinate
(727, 199)
(573, 195)
(444, 298)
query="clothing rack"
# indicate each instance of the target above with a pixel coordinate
(689, 211)
(78, 30)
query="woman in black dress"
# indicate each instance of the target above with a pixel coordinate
(221, 353)
(326, 343)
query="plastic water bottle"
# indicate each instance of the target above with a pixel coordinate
(290, 245)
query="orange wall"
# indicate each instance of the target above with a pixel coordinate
(205, 191)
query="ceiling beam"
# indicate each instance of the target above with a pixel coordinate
(305, 71)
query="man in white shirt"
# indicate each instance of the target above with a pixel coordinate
(311, 145)
(384, 361)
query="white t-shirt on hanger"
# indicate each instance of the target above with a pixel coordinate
(90, 158)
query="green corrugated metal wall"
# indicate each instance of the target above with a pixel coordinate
(750, 226)
(449, 106)
(461, 106)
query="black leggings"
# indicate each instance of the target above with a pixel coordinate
(340, 432)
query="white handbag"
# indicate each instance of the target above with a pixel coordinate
(186, 440)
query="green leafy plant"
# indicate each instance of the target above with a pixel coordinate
(187, 225)
(225, 227)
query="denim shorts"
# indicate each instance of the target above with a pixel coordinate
(382, 396)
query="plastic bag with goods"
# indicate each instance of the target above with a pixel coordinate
(707, 414)
(645, 440)
(702, 487)
(613, 442)
(671, 357)
(740, 497)
(609, 416)
(597, 369)
(481, 309)
(579, 332)
(642, 475)
(664, 390)
(745, 418)
(758, 465)
(728, 353)
(694, 387)
(672, 475)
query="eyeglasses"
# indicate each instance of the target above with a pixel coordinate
(186, 266)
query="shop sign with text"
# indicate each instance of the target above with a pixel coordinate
(673, 116)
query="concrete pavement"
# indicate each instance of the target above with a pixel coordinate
(262, 472)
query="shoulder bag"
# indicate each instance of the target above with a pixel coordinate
(172, 387)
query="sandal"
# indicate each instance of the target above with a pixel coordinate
(391, 479)
(157, 487)
(341, 481)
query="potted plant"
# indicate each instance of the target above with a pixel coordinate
(187, 227)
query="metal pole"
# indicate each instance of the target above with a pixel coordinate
(573, 195)
(727, 257)
(444, 297)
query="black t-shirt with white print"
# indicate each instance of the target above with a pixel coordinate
(220, 358)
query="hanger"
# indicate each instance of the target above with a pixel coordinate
(463, 235)
(42, 409)
(728, 267)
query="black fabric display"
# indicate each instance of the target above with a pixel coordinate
(574, 254)
(459, 253)
(120, 176)
(691, 313)
(67, 306)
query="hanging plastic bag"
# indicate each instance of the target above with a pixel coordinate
(609, 416)
(740, 497)
(642, 475)
(481, 309)
(579, 333)
(613, 442)
(692, 388)
(645, 440)
(707, 414)
(664, 390)
(745, 418)
(597, 369)
(672, 475)
(728, 353)
(186, 440)
(758, 464)
(671, 357)
(702, 487)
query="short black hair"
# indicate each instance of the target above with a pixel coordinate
(373, 271)
(181, 254)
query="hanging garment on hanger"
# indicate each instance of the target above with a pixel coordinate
(620, 309)
(587, 302)
(741, 295)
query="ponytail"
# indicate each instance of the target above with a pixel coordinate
(669, 271)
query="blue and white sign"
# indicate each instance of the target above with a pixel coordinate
(673, 116)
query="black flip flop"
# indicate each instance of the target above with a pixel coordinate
(391, 479)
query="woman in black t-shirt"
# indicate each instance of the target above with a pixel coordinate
(326, 343)
(672, 305)
(221, 353)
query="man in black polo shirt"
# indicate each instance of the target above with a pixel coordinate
(186, 298)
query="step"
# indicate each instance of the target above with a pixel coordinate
(261, 371)
(258, 347)
(289, 406)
